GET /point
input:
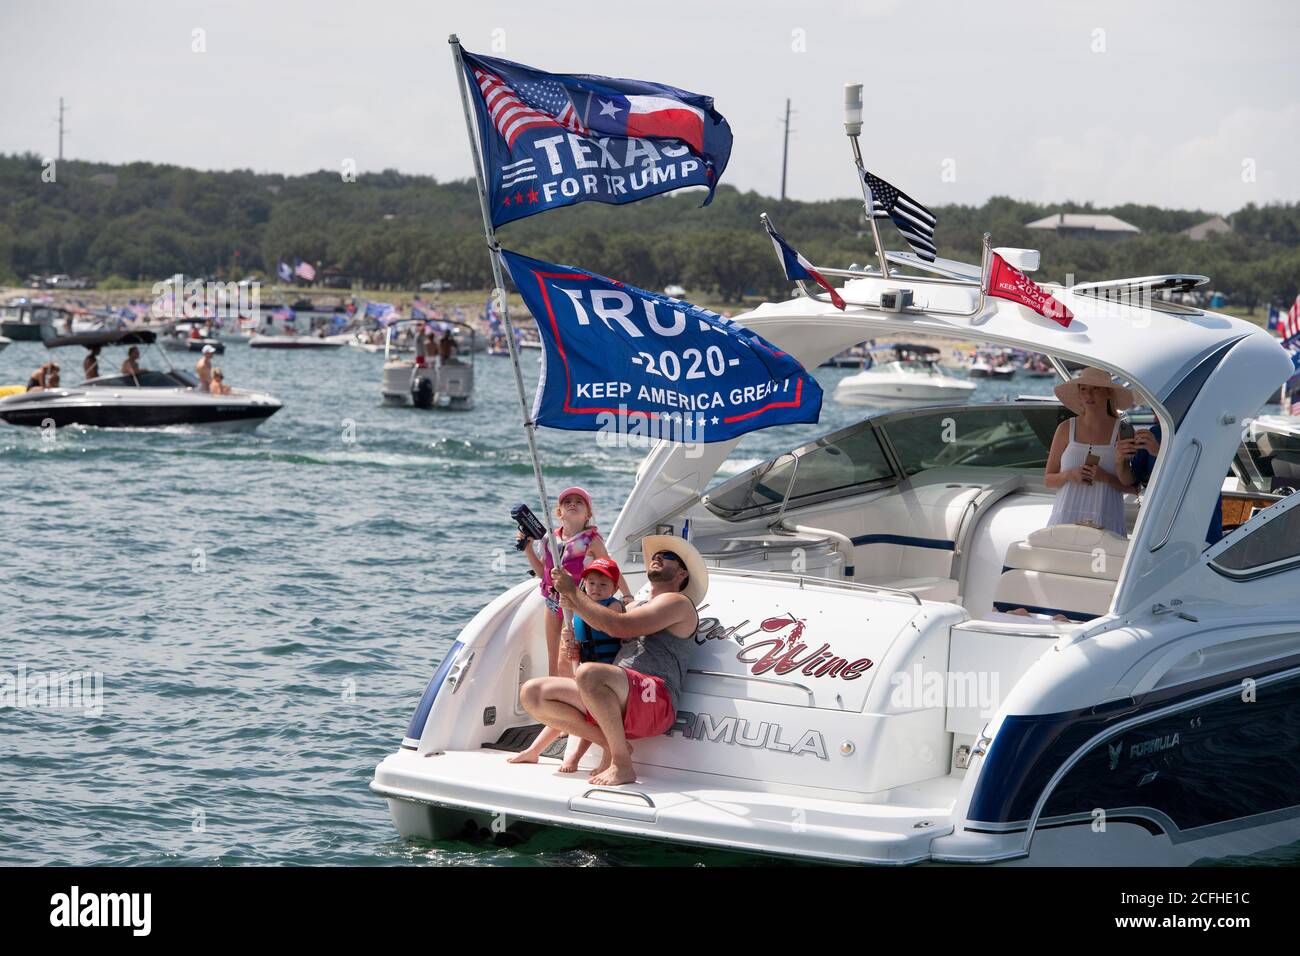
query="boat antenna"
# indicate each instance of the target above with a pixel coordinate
(853, 127)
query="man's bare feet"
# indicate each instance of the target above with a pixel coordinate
(618, 772)
(605, 762)
(600, 767)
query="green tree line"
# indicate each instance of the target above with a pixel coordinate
(142, 221)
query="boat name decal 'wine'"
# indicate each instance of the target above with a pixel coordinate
(782, 655)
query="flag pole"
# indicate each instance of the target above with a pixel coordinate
(499, 291)
(853, 126)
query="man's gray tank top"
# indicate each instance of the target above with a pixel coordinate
(661, 654)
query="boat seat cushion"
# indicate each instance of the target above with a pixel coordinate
(1042, 592)
(1070, 549)
(926, 588)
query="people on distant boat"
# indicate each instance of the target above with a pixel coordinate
(132, 364)
(610, 704)
(39, 380)
(578, 645)
(219, 386)
(90, 364)
(195, 333)
(203, 368)
(421, 345)
(1090, 480)
(446, 347)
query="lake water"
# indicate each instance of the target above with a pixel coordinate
(265, 610)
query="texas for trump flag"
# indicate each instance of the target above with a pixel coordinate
(796, 266)
(552, 139)
(619, 359)
(1008, 282)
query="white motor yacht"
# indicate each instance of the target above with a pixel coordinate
(862, 689)
(909, 374)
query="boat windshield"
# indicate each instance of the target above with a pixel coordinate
(1005, 436)
(914, 365)
(149, 378)
(852, 460)
(1268, 461)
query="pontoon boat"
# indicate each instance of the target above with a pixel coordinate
(427, 381)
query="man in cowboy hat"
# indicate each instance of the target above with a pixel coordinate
(637, 695)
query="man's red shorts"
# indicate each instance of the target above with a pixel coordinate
(649, 709)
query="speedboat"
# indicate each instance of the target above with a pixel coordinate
(150, 399)
(859, 356)
(23, 322)
(990, 364)
(302, 342)
(912, 376)
(862, 688)
(428, 382)
(189, 337)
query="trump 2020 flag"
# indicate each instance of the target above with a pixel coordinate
(618, 358)
(797, 267)
(552, 139)
(1007, 282)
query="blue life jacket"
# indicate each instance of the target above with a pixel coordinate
(594, 645)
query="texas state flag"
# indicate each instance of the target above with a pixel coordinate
(797, 267)
(649, 117)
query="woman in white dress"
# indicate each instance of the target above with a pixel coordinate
(1090, 492)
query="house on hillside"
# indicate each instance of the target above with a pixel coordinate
(1215, 225)
(1080, 225)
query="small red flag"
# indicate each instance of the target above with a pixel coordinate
(1008, 282)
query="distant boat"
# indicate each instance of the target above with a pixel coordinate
(991, 365)
(911, 376)
(859, 356)
(260, 341)
(22, 322)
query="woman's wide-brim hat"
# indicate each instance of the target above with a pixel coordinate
(1068, 392)
(695, 566)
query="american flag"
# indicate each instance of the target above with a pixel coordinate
(913, 220)
(535, 103)
(1289, 327)
(306, 270)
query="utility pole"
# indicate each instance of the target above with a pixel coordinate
(61, 129)
(785, 149)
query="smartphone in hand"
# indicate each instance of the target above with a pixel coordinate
(1093, 459)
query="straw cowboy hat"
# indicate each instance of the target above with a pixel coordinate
(698, 585)
(1121, 398)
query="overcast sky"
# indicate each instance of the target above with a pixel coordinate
(1187, 104)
